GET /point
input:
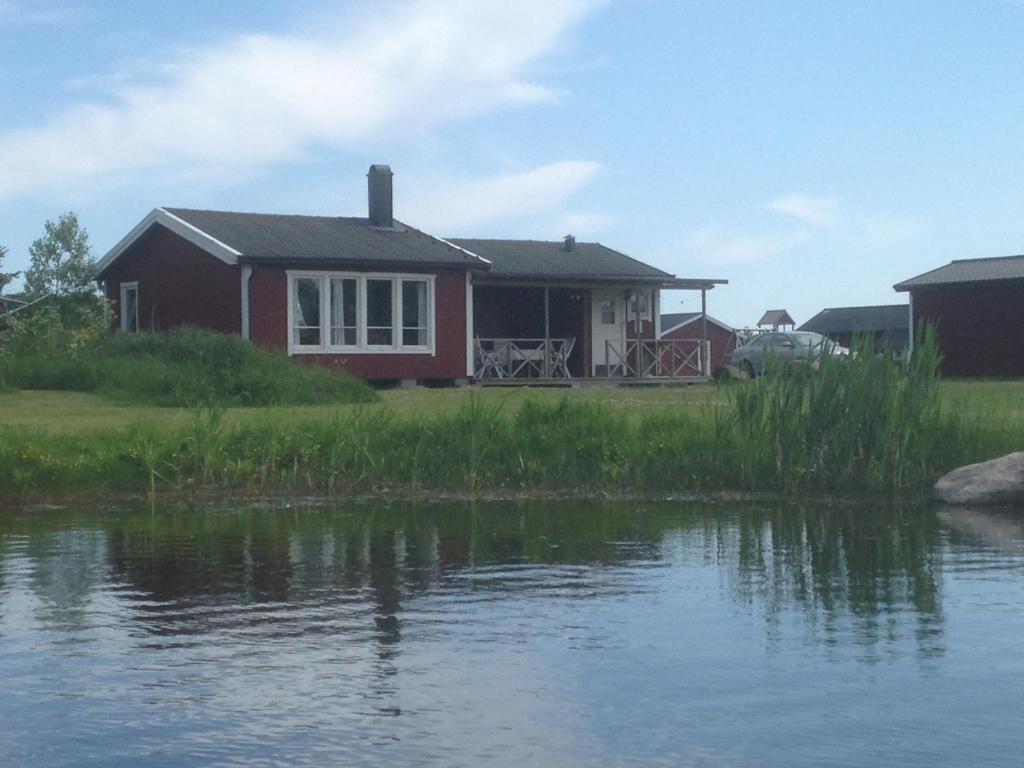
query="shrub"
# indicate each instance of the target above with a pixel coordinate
(183, 367)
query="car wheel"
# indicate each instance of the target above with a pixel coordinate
(748, 368)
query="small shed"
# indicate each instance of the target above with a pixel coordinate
(888, 325)
(976, 307)
(689, 326)
(776, 320)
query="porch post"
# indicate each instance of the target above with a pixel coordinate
(704, 351)
(547, 334)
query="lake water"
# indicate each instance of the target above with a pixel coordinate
(512, 635)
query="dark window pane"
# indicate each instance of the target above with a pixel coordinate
(349, 293)
(414, 313)
(131, 310)
(306, 311)
(343, 312)
(308, 336)
(379, 313)
(378, 337)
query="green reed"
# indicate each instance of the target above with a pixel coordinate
(865, 425)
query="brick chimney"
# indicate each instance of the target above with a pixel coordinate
(379, 188)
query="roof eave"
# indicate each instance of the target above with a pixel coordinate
(180, 227)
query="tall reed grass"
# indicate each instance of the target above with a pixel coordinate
(867, 425)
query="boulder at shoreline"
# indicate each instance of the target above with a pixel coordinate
(999, 482)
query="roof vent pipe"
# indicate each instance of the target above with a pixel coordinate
(379, 188)
(569, 244)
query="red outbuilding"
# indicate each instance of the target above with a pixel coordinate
(721, 337)
(385, 301)
(976, 307)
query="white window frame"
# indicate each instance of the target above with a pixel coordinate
(125, 287)
(361, 347)
(634, 300)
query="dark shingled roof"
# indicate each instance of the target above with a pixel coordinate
(268, 236)
(888, 317)
(541, 259)
(969, 271)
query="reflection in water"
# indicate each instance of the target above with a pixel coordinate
(446, 634)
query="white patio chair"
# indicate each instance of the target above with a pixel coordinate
(526, 361)
(489, 362)
(560, 351)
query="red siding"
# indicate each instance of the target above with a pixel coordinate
(179, 284)
(270, 329)
(978, 327)
(723, 342)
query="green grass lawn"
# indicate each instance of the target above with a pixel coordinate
(70, 412)
(74, 412)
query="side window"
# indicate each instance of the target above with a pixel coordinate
(608, 313)
(130, 307)
(638, 305)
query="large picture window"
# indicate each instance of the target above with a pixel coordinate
(333, 312)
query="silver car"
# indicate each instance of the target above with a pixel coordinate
(784, 346)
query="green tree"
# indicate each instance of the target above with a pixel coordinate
(62, 263)
(5, 277)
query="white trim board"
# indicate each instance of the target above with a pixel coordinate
(178, 226)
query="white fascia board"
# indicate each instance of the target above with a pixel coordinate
(469, 253)
(719, 323)
(178, 226)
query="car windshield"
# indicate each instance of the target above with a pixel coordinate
(807, 339)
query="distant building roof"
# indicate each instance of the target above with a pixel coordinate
(888, 323)
(776, 317)
(887, 317)
(969, 271)
(552, 260)
(671, 321)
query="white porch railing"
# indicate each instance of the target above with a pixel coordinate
(657, 358)
(523, 358)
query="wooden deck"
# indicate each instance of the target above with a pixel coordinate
(593, 381)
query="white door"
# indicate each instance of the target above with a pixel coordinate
(606, 324)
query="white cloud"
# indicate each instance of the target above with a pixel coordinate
(816, 211)
(452, 205)
(260, 99)
(723, 248)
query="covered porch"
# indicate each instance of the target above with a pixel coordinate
(557, 333)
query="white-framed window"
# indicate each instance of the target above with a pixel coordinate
(608, 312)
(332, 312)
(130, 307)
(639, 304)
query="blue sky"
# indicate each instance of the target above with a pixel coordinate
(812, 153)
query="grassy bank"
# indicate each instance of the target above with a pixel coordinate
(872, 429)
(183, 367)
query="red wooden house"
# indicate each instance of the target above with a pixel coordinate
(976, 307)
(385, 301)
